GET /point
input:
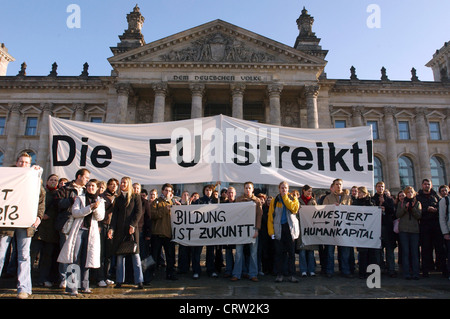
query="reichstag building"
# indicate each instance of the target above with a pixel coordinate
(220, 68)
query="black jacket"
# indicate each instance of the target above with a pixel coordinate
(428, 200)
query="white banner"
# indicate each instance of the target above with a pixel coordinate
(213, 224)
(19, 196)
(218, 148)
(342, 225)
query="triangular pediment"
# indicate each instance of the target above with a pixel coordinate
(217, 42)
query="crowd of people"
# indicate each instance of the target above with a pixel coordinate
(82, 226)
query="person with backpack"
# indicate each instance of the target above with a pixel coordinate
(444, 222)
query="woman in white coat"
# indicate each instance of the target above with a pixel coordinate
(81, 249)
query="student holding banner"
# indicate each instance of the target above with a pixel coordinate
(23, 239)
(207, 198)
(338, 197)
(367, 256)
(239, 258)
(283, 226)
(162, 229)
(307, 262)
(388, 241)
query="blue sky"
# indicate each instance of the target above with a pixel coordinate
(36, 31)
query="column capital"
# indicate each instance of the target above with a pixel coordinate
(274, 89)
(311, 90)
(47, 107)
(123, 88)
(79, 107)
(15, 107)
(197, 88)
(420, 111)
(160, 87)
(238, 88)
(390, 110)
(357, 110)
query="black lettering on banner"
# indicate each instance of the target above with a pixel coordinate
(99, 152)
(72, 148)
(198, 151)
(296, 158)
(154, 153)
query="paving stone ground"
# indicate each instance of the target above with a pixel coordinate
(318, 287)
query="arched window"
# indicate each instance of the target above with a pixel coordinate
(437, 172)
(406, 172)
(377, 171)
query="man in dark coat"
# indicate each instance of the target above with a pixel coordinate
(431, 237)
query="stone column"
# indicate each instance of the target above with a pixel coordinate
(274, 91)
(123, 92)
(197, 100)
(357, 119)
(160, 101)
(311, 93)
(422, 144)
(237, 92)
(393, 182)
(12, 130)
(79, 111)
(42, 157)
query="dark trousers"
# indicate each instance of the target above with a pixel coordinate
(285, 251)
(157, 243)
(431, 238)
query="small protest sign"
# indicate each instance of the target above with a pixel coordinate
(341, 225)
(19, 196)
(213, 224)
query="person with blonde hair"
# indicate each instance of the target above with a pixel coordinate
(283, 227)
(366, 256)
(409, 211)
(124, 224)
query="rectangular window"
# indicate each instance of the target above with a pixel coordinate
(96, 119)
(31, 128)
(374, 125)
(181, 112)
(435, 131)
(254, 112)
(340, 124)
(2, 125)
(403, 130)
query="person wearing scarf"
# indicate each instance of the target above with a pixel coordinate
(81, 250)
(409, 211)
(307, 263)
(46, 240)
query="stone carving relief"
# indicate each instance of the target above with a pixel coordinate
(218, 47)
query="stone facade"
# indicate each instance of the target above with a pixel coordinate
(219, 68)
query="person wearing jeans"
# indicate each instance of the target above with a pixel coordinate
(239, 256)
(125, 218)
(23, 239)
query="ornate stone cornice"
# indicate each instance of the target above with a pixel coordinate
(391, 87)
(55, 83)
